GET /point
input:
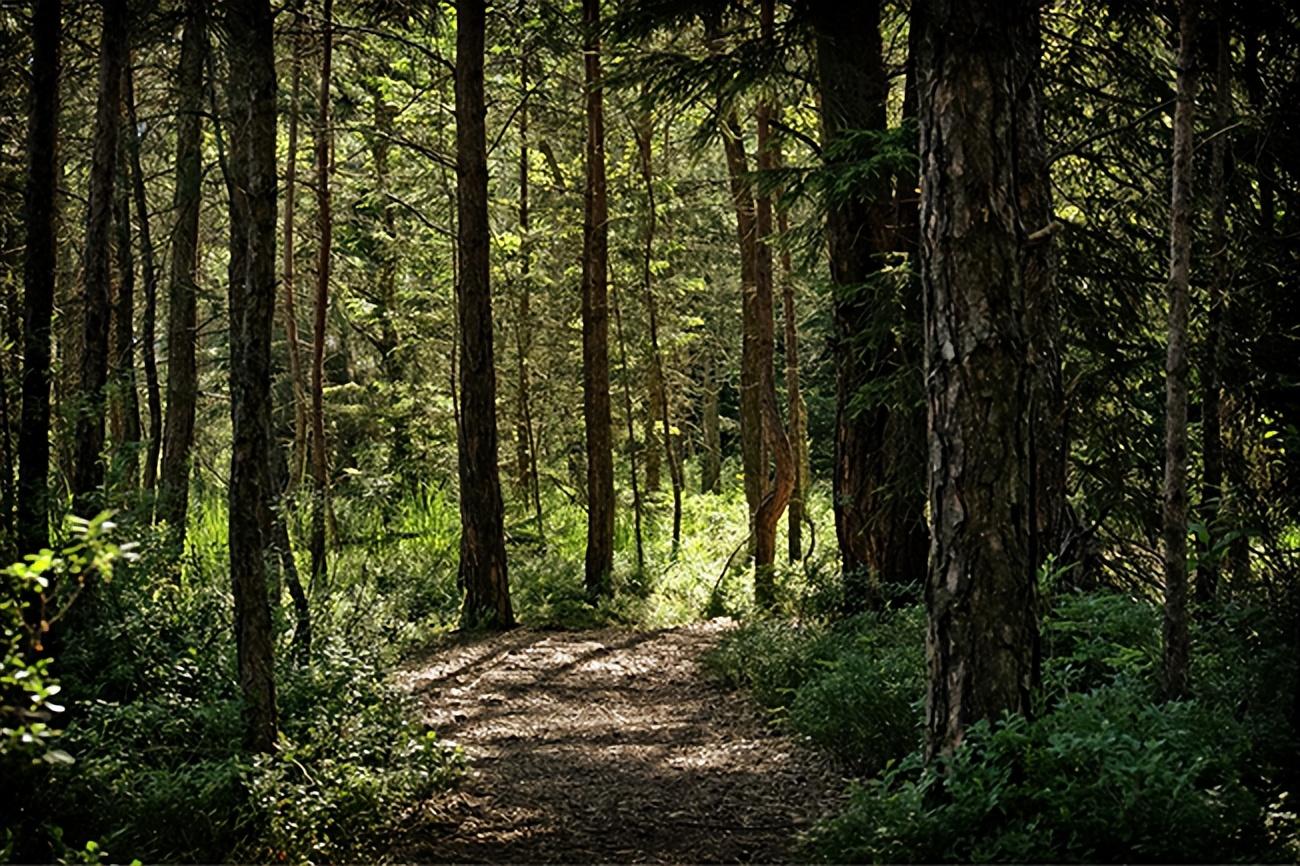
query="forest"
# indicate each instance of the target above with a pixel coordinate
(521, 431)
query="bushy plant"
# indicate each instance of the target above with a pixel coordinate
(1090, 640)
(1107, 776)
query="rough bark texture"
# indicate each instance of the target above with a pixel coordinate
(878, 476)
(595, 323)
(251, 93)
(325, 232)
(182, 290)
(1207, 569)
(149, 274)
(88, 438)
(482, 540)
(39, 268)
(982, 634)
(1176, 640)
(797, 411)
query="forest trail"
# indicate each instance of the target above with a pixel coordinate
(608, 746)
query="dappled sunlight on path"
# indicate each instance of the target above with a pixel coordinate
(608, 746)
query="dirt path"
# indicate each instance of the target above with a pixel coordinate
(608, 746)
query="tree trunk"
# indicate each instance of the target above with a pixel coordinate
(88, 440)
(797, 410)
(325, 229)
(149, 271)
(251, 94)
(982, 635)
(289, 292)
(182, 289)
(776, 443)
(878, 482)
(1176, 640)
(482, 539)
(631, 439)
(1207, 569)
(658, 378)
(753, 466)
(711, 461)
(123, 399)
(525, 440)
(595, 324)
(39, 268)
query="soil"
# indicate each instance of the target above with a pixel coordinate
(608, 746)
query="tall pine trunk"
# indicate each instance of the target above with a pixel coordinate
(39, 268)
(149, 273)
(1176, 640)
(595, 323)
(482, 540)
(88, 439)
(182, 288)
(982, 634)
(251, 95)
(289, 231)
(123, 398)
(325, 229)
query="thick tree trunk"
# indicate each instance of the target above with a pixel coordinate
(1176, 640)
(796, 410)
(39, 268)
(878, 479)
(88, 440)
(325, 229)
(289, 309)
(123, 399)
(595, 323)
(182, 289)
(251, 94)
(149, 272)
(982, 635)
(1207, 569)
(482, 540)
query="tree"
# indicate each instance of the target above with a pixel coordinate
(1176, 639)
(982, 634)
(595, 323)
(182, 288)
(124, 399)
(325, 229)
(250, 97)
(877, 483)
(88, 436)
(39, 266)
(290, 264)
(482, 540)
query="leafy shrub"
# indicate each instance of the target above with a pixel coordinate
(1093, 639)
(853, 688)
(1107, 776)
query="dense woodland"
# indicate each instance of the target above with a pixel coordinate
(949, 348)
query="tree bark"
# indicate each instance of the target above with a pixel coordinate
(482, 542)
(982, 634)
(595, 323)
(88, 440)
(123, 399)
(878, 482)
(289, 254)
(1176, 639)
(39, 268)
(149, 272)
(1207, 569)
(251, 95)
(182, 289)
(325, 229)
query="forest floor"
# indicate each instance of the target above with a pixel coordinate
(608, 746)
